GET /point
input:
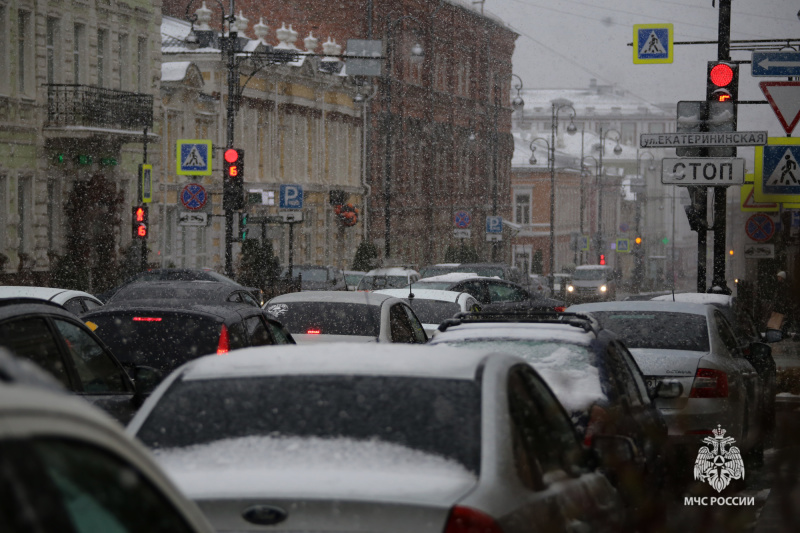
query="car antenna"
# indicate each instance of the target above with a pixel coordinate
(410, 294)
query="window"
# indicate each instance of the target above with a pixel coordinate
(522, 208)
(96, 370)
(102, 57)
(25, 65)
(628, 130)
(124, 60)
(499, 292)
(32, 339)
(257, 332)
(24, 212)
(655, 127)
(142, 83)
(53, 51)
(78, 36)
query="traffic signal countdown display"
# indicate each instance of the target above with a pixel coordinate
(233, 184)
(722, 82)
(139, 222)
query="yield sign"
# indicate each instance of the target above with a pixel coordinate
(784, 97)
(749, 203)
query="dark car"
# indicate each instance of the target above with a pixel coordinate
(593, 375)
(165, 333)
(209, 292)
(58, 342)
(318, 278)
(490, 290)
(173, 274)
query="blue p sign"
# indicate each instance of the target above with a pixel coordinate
(494, 224)
(291, 197)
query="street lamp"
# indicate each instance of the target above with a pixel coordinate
(617, 151)
(571, 129)
(517, 103)
(583, 189)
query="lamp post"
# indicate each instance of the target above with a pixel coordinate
(416, 56)
(638, 256)
(583, 190)
(617, 151)
(517, 103)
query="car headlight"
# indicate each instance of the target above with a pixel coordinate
(603, 288)
(570, 288)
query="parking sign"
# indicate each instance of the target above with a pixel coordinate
(494, 224)
(291, 197)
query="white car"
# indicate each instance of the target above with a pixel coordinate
(353, 277)
(387, 278)
(690, 349)
(65, 466)
(394, 440)
(76, 302)
(432, 307)
(344, 316)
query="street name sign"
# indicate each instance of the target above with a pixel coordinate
(194, 157)
(784, 98)
(652, 43)
(701, 139)
(291, 197)
(188, 218)
(777, 173)
(702, 171)
(776, 64)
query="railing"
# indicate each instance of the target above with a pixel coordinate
(86, 105)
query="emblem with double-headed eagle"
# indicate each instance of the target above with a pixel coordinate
(719, 466)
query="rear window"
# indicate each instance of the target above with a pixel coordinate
(147, 291)
(370, 283)
(161, 340)
(309, 274)
(328, 318)
(589, 274)
(434, 311)
(657, 330)
(436, 416)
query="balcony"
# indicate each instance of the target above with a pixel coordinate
(96, 107)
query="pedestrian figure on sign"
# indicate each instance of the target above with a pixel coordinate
(788, 168)
(654, 46)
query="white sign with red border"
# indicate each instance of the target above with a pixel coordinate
(784, 98)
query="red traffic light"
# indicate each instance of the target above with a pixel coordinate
(139, 214)
(231, 155)
(721, 75)
(141, 231)
(602, 259)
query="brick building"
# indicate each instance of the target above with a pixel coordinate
(446, 119)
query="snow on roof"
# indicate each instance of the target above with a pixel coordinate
(450, 277)
(696, 297)
(423, 294)
(592, 267)
(647, 305)
(568, 150)
(174, 71)
(392, 271)
(595, 99)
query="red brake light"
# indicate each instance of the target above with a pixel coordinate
(560, 309)
(224, 345)
(709, 383)
(146, 319)
(313, 332)
(467, 520)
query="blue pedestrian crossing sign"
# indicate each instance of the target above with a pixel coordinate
(583, 243)
(494, 224)
(777, 172)
(193, 157)
(623, 246)
(291, 197)
(652, 43)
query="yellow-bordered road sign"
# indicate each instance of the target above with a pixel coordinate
(652, 43)
(623, 246)
(146, 177)
(748, 202)
(777, 172)
(193, 157)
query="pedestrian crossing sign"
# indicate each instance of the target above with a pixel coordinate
(193, 157)
(652, 43)
(777, 173)
(623, 246)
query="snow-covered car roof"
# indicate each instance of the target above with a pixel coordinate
(592, 267)
(423, 294)
(350, 359)
(648, 305)
(521, 330)
(452, 277)
(696, 297)
(368, 298)
(59, 296)
(392, 271)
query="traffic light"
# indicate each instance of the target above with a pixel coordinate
(233, 184)
(637, 240)
(722, 81)
(602, 259)
(140, 222)
(243, 226)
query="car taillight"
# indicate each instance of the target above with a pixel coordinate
(224, 344)
(709, 383)
(313, 332)
(597, 420)
(468, 520)
(146, 319)
(560, 309)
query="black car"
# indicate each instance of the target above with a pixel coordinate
(58, 342)
(174, 274)
(490, 290)
(165, 333)
(318, 278)
(209, 292)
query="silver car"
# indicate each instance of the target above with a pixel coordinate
(405, 438)
(693, 364)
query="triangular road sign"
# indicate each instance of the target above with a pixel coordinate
(784, 97)
(749, 203)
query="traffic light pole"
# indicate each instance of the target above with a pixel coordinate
(140, 188)
(720, 193)
(233, 93)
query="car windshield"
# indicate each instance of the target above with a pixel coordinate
(434, 311)
(436, 416)
(309, 274)
(589, 274)
(369, 283)
(657, 330)
(328, 318)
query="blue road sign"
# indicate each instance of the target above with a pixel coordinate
(193, 196)
(462, 219)
(291, 197)
(494, 224)
(776, 64)
(652, 43)
(780, 170)
(760, 227)
(194, 157)
(623, 246)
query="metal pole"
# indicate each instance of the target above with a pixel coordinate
(600, 198)
(495, 142)
(387, 166)
(552, 160)
(233, 96)
(291, 251)
(582, 202)
(140, 188)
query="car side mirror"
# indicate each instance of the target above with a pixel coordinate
(146, 378)
(668, 390)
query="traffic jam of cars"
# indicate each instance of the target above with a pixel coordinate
(185, 403)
